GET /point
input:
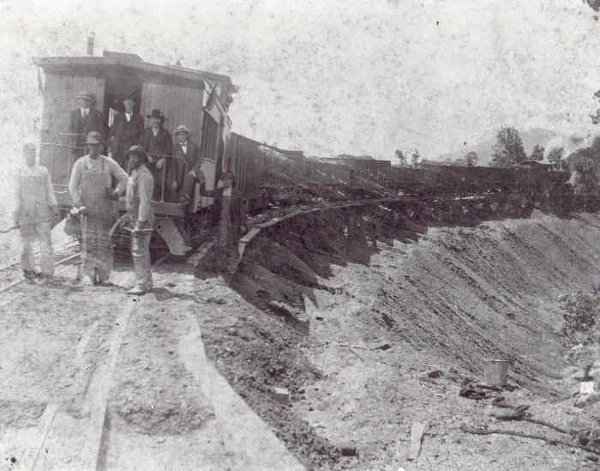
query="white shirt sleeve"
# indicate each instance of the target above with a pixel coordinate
(50, 190)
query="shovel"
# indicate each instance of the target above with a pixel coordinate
(5, 231)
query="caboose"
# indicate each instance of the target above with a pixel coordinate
(200, 100)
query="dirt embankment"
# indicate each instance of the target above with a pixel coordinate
(446, 302)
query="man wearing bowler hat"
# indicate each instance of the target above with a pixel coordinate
(84, 119)
(91, 189)
(188, 151)
(126, 131)
(158, 144)
(139, 197)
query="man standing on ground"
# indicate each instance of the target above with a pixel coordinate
(34, 208)
(189, 152)
(84, 120)
(139, 196)
(126, 131)
(91, 190)
(158, 144)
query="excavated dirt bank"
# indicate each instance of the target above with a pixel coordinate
(446, 302)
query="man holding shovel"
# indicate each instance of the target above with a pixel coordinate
(35, 206)
(138, 198)
(91, 189)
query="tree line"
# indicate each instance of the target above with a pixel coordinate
(508, 151)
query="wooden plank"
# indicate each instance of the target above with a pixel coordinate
(100, 388)
(416, 439)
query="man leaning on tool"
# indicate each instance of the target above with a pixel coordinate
(139, 196)
(91, 190)
(35, 206)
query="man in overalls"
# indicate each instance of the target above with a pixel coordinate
(139, 197)
(91, 189)
(34, 208)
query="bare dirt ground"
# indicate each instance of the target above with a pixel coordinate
(445, 303)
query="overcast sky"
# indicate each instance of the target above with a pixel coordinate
(361, 77)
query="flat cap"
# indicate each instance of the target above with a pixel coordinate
(182, 128)
(86, 96)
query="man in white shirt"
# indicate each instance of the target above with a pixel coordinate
(34, 209)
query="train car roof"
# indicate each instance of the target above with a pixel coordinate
(295, 154)
(536, 163)
(117, 63)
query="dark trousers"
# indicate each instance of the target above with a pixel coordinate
(189, 182)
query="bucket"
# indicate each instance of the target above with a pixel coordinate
(495, 372)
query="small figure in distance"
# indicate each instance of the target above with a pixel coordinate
(139, 197)
(35, 207)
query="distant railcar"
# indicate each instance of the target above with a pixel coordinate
(445, 180)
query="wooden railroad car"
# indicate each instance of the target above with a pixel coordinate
(197, 99)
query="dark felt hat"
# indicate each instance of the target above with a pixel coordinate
(156, 114)
(137, 150)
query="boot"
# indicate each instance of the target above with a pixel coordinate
(138, 290)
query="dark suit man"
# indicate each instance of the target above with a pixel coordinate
(84, 120)
(188, 152)
(127, 130)
(158, 144)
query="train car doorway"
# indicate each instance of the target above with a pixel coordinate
(116, 90)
